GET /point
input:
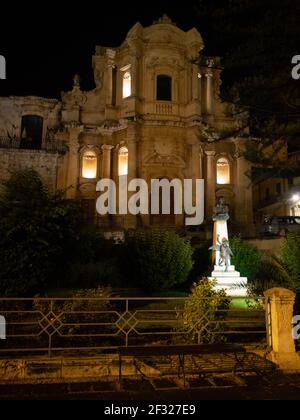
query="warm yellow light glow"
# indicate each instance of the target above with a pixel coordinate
(126, 84)
(89, 164)
(123, 161)
(223, 171)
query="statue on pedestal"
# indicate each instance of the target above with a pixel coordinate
(220, 211)
(221, 244)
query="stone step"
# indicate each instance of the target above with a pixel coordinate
(230, 280)
(218, 268)
(225, 274)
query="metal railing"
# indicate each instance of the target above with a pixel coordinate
(69, 326)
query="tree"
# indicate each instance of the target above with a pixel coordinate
(257, 40)
(37, 234)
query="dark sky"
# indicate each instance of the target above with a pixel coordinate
(45, 43)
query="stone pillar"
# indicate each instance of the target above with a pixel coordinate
(110, 66)
(195, 83)
(132, 157)
(210, 192)
(134, 76)
(73, 162)
(279, 314)
(201, 162)
(106, 161)
(243, 192)
(130, 220)
(209, 92)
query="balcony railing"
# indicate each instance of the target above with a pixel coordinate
(51, 146)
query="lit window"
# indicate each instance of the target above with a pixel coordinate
(89, 164)
(223, 171)
(123, 161)
(126, 84)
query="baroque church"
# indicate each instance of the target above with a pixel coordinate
(151, 115)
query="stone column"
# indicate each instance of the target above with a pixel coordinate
(210, 192)
(106, 161)
(279, 314)
(110, 66)
(243, 192)
(209, 92)
(132, 157)
(134, 76)
(73, 162)
(201, 162)
(195, 83)
(130, 221)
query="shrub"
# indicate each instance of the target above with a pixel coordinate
(290, 255)
(202, 262)
(157, 259)
(203, 312)
(246, 258)
(93, 274)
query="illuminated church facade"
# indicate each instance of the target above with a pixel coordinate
(153, 110)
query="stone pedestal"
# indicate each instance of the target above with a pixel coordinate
(229, 280)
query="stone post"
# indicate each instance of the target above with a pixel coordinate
(279, 310)
(210, 183)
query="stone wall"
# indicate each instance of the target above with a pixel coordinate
(44, 163)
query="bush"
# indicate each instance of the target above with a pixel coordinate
(157, 259)
(202, 262)
(93, 274)
(246, 258)
(203, 312)
(290, 255)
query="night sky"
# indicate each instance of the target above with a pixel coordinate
(46, 43)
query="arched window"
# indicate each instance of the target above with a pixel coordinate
(89, 164)
(123, 161)
(126, 84)
(163, 88)
(223, 171)
(31, 132)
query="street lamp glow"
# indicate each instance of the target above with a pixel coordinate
(295, 198)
